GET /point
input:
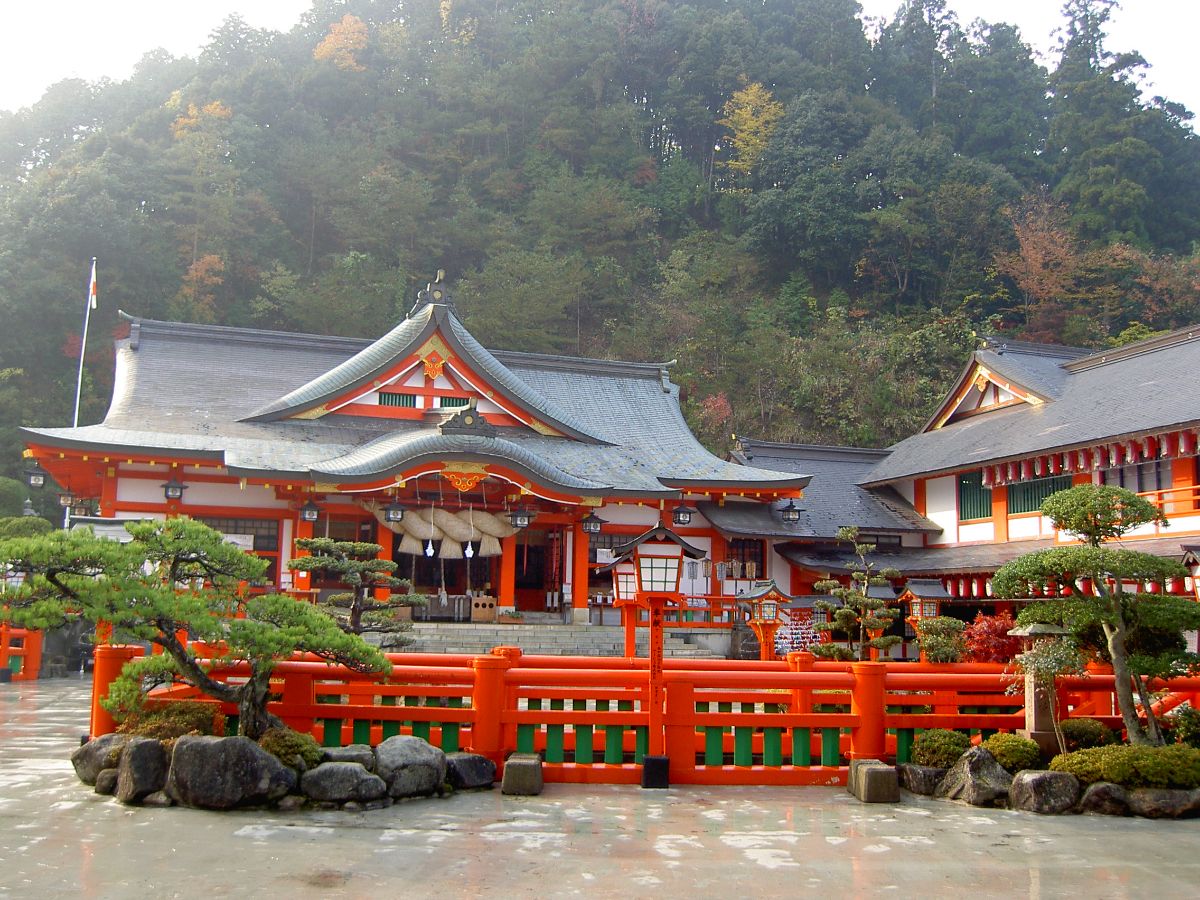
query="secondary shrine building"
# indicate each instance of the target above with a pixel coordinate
(951, 504)
(479, 472)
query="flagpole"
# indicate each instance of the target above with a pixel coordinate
(88, 306)
(87, 318)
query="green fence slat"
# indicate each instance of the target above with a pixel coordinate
(702, 707)
(904, 742)
(525, 738)
(331, 735)
(831, 753)
(714, 755)
(743, 746)
(801, 746)
(389, 700)
(726, 708)
(362, 731)
(390, 729)
(641, 743)
(422, 730)
(555, 737)
(614, 744)
(585, 753)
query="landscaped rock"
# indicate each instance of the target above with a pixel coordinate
(106, 782)
(410, 766)
(342, 782)
(1048, 793)
(522, 775)
(221, 773)
(292, 802)
(1163, 803)
(1105, 799)
(976, 779)
(468, 771)
(98, 754)
(158, 798)
(358, 753)
(142, 770)
(920, 779)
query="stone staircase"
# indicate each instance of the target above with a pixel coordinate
(542, 639)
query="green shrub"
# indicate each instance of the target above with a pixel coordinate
(1173, 766)
(939, 748)
(1014, 752)
(1187, 726)
(286, 745)
(175, 719)
(941, 639)
(1083, 733)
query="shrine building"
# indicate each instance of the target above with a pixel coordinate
(479, 472)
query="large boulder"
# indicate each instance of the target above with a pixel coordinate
(222, 773)
(1105, 799)
(1048, 793)
(359, 753)
(920, 779)
(1164, 803)
(467, 771)
(97, 754)
(976, 779)
(142, 770)
(340, 782)
(106, 782)
(410, 766)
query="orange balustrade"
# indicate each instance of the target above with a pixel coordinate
(781, 723)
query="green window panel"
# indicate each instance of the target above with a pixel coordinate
(1028, 496)
(974, 500)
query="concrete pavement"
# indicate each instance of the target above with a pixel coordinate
(57, 837)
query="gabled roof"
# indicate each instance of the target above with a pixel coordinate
(1112, 395)
(832, 499)
(406, 338)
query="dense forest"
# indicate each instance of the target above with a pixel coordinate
(816, 219)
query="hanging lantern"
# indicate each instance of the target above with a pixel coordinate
(751, 569)
(35, 476)
(393, 512)
(310, 512)
(521, 516)
(790, 513)
(173, 489)
(66, 499)
(682, 514)
(591, 523)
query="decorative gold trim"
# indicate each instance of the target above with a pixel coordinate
(464, 481)
(325, 487)
(315, 413)
(591, 501)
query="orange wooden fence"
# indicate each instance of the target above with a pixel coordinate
(793, 722)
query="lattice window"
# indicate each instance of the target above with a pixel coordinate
(391, 398)
(453, 402)
(265, 531)
(1028, 496)
(974, 500)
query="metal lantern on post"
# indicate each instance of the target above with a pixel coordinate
(646, 574)
(924, 597)
(764, 603)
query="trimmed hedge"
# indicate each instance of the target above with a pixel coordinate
(1083, 733)
(174, 720)
(1014, 752)
(285, 745)
(939, 748)
(1173, 766)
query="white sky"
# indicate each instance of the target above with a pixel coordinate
(55, 39)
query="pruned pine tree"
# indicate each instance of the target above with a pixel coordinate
(861, 617)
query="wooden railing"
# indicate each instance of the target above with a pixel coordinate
(725, 722)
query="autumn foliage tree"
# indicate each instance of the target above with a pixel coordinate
(988, 640)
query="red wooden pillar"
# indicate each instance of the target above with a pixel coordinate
(866, 702)
(579, 568)
(110, 659)
(507, 594)
(384, 538)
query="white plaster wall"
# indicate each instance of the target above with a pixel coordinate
(198, 493)
(1025, 527)
(906, 489)
(976, 531)
(941, 508)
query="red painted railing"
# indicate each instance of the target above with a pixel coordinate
(725, 722)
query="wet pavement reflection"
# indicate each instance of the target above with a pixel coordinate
(56, 836)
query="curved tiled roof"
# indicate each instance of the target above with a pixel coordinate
(398, 450)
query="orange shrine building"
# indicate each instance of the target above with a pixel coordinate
(479, 472)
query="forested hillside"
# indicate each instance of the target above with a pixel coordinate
(816, 222)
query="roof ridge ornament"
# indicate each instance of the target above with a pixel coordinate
(468, 421)
(435, 293)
